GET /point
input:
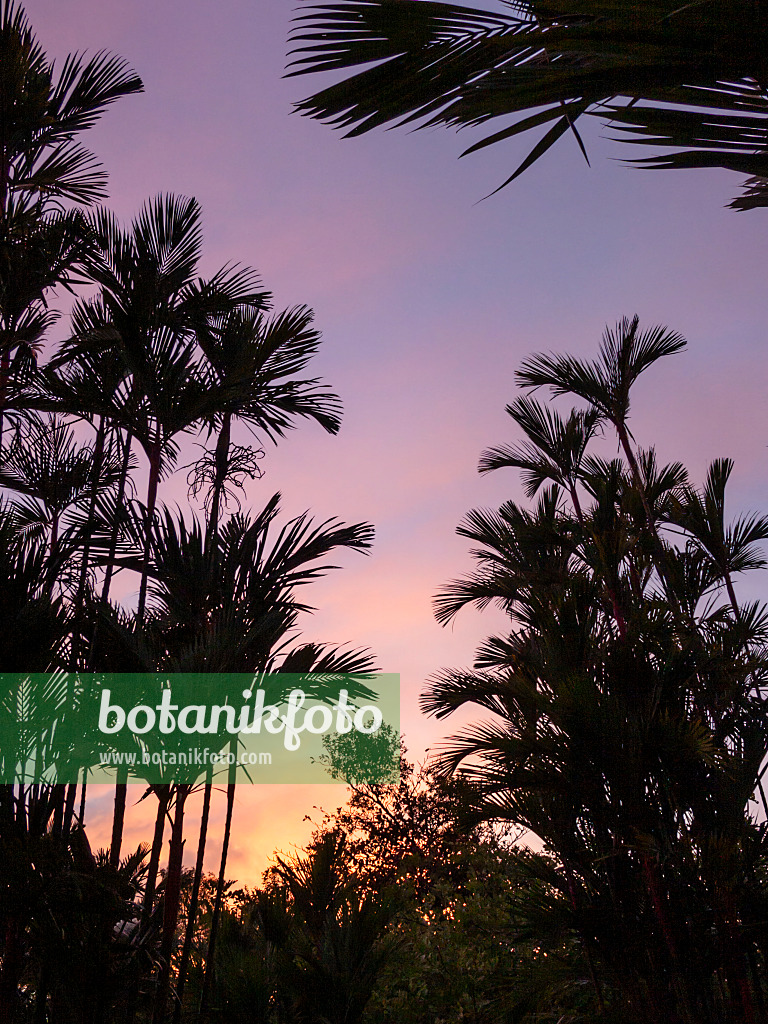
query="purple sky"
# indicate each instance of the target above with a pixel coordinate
(428, 300)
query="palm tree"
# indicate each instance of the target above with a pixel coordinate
(52, 475)
(691, 77)
(605, 383)
(231, 606)
(146, 313)
(631, 746)
(254, 362)
(148, 310)
(728, 549)
(43, 114)
(554, 451)
(42, 164)
(330, 934)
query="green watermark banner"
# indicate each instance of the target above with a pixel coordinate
(64, 727)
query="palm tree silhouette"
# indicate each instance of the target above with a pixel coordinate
(254, 362)
(42, 163)
(616, 733)
(226, 607)
(151, 302)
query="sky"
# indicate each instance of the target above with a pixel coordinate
(428, 300)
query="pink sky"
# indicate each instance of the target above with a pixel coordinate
(428, 301)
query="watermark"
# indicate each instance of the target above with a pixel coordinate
(186, 728)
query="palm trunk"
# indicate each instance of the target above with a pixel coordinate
(118, 506)
(215, 917)
(221, 465)
(194, 899)
(81, 808)
(104, 599)
(651, 876)
(154, 479)
(118, 816)
(171, 901)
(59, 800)
(69, 807)
(5, 359)
(98, 460)
(48, 587)
(163, 794)
(5, 371)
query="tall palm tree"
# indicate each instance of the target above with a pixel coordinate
(52, 475)
(42, 114)
(631, 748)
(148, 309)
(606, 383)
(691, 77)
(254, 362)
(228, 607)
(146, 312)
(42, 163)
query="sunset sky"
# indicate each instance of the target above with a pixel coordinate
(428, 300)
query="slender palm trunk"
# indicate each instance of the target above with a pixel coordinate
(5, 358)
(98, 461)
(154, 480)
(221, 460)
(216, 916)
(5, 375)
(69, 807)
(118, 816)
(83, 790)
(171, 900)
(52, 552)
(59, 799)
(163, 794)
(121, 487)
(194, 900)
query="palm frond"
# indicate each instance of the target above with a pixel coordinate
(688, 77)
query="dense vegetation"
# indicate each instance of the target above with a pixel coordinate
(154, 353)
(593, 849)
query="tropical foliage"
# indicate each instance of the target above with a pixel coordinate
(596, 848)
(690, 78)
(154, 353)
(398, 911)
(627, 727)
